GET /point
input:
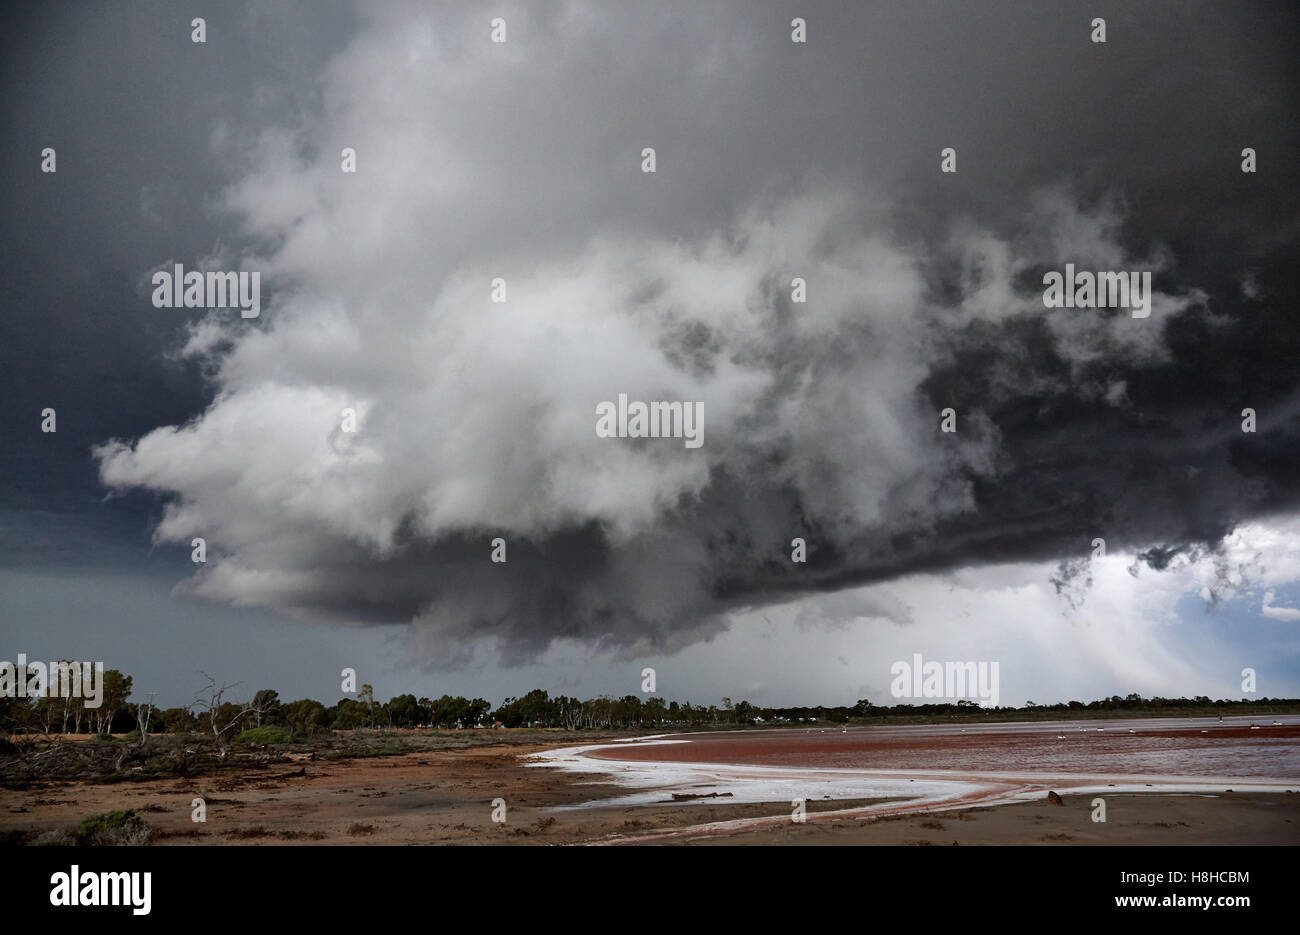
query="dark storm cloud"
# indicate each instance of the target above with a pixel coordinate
(775, 160)
(129, 104)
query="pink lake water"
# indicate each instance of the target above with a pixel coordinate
(1163, 746)
(934, 768)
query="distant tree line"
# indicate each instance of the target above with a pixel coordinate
(211, 714)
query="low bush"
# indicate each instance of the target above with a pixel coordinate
(113, 828)
(264, 735)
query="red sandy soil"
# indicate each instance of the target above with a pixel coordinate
(445, 797)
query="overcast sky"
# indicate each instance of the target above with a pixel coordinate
(475, 420)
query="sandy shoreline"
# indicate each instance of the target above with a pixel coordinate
(853, 805)
(446, 797)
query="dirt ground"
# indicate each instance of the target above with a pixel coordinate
(446, 797)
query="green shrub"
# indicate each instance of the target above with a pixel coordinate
(264, 735)
(113, 828)
(107, 738)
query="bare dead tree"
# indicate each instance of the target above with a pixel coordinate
(144, 714)
(209, 699)
(132, 751)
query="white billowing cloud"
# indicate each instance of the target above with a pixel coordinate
(477, 416)
(477, 419)
(1278, 613)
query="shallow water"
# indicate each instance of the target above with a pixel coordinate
(1163, 746)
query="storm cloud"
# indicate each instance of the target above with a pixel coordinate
(476, 419)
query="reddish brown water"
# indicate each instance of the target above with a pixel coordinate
(1168, 747)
